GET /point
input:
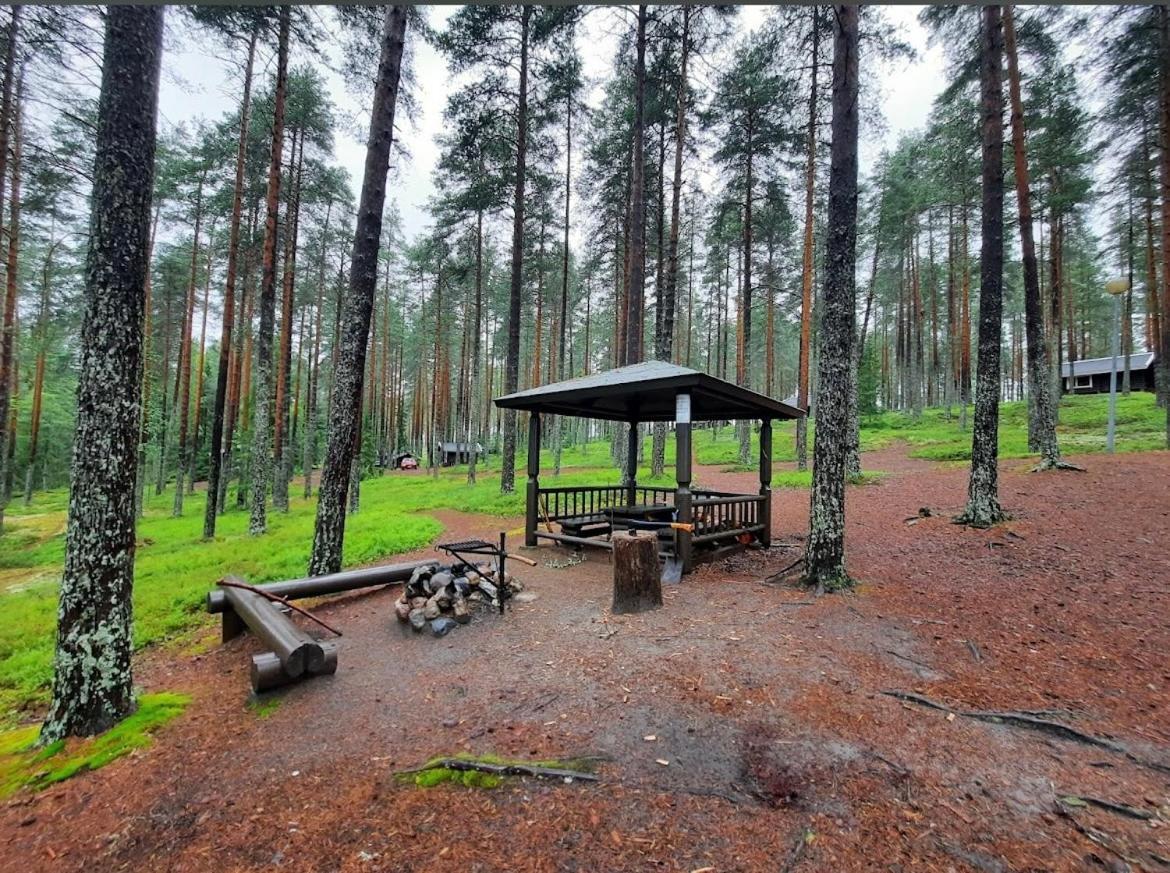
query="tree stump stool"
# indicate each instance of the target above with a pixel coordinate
(637, 580)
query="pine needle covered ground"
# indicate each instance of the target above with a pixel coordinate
(176, 567)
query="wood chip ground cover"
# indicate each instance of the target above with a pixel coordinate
(781, 748)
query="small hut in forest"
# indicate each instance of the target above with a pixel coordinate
(1091, 376)
(715, 522)
(451, 454)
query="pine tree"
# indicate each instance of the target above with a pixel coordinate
(983, 507)
(345, 404)
(824, 558)
(92, 683)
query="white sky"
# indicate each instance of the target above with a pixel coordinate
(197, 82)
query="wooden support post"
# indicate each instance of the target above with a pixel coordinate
(637, 579)
(532, 501)
(682, 476)
(766, 481)
(632, 464)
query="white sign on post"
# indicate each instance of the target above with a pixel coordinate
(682, 409)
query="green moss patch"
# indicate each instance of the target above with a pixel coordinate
(435, 772)
(24, 765)
(262, 708)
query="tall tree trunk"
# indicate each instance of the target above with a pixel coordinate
(184, 395)
(42, 326)
(198, 401)
(559, 427)
(280, 441)
(261, 472)
(806, 271)
(345, 406)
(1042, 428)
(92, 683)
(746, 304)
(8, 370)
(824, 559)
(310, 449)
(983, 508)
(473, 428)
(516, 285)
(217, 460)
(1164, 132)
(635, 301)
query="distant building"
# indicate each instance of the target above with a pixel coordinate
(1091, 376)
(451, 454)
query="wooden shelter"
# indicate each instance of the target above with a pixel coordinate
(650, 392)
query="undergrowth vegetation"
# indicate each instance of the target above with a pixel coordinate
(176, 567)
(25, 765)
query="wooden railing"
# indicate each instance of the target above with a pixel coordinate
(723, 516)
(577, 501)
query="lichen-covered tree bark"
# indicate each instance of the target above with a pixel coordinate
(261, 464)
(346, 402)
(92, 682)
(824, 558)
(983, 509)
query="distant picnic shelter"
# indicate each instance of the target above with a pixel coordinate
(653, 391)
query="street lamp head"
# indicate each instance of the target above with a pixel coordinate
(1117, 286)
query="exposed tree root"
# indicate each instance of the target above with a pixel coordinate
(1032, 722)
(1093, 835)
(511, 768)
(1050, 464)
(1107, 805)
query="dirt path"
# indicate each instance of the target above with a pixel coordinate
(782, 751)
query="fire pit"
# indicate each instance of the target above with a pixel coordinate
(443, 596)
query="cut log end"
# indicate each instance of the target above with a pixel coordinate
(637, 579)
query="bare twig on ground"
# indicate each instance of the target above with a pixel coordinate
(974, 650)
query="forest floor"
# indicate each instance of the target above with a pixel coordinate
(742, 726)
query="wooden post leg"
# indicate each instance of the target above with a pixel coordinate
(532, 500)
(766, 481)
(682, 476)
(632, 464)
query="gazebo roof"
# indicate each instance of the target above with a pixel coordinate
(646, 392)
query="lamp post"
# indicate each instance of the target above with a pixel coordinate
(1115, 287)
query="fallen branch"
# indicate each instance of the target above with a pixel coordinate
(276, 598)
(974, 650)
(509, 769)
(1031, 722)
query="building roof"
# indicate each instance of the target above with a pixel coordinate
(1096, 366)
(646, 392)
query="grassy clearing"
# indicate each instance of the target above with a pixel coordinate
(176, 567)
(23, 765)
(1141, 426)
